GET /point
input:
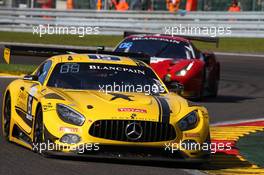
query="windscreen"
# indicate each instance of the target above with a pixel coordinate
(115, 77)
(157, 47)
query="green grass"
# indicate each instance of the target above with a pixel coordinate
(17, 69)
(252, 147)
(246, 45)
(88, 40)
(242, 45)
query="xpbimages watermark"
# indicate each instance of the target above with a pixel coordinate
(147, 89)
(49, 146)
(192, 30)
(213, 147)
(80, 31)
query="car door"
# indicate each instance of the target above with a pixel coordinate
(28, 96)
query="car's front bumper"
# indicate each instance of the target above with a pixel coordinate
(132, 153)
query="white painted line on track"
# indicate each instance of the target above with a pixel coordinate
(239, 54)
(237, 122)
(194, 172)
(9, 77)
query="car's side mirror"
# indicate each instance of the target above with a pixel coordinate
(100, 48)
(31, 77)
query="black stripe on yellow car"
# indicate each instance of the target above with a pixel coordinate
(21, 134)
(28, 119)
(159, 105)
(164, 109)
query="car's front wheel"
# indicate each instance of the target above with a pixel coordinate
(7, 117)
(215, 88)
(38, 131)
(200, 94)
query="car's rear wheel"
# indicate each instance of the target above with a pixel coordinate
(38, 131)
(7, 117)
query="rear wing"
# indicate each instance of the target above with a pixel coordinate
(193, 38)
(43, 51)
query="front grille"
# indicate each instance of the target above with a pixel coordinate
(116, 130)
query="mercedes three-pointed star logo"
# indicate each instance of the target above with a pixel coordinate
(134, 131)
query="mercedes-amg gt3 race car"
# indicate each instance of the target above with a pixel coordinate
(177, 61)
(75, 105)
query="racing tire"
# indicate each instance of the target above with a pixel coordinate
(38, 136)
(201, 92)
(7, 117)
(215, 89)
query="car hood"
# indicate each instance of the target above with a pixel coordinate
(163, 66)
(98, 105)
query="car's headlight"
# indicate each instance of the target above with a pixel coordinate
(69, 115)
(184, 71)
(189, 121)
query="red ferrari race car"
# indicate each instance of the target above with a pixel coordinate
(178, 62)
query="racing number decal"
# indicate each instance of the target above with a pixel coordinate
(69, 68)
(125, 45)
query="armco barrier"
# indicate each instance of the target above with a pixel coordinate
(242, 24)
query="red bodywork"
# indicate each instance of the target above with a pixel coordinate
(192, 81)
(202, 76)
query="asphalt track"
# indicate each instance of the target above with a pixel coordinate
(241, 97)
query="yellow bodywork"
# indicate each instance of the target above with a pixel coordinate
(102, 109)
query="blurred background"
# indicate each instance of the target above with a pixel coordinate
(160, 5)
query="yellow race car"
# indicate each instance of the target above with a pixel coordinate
(101, 105)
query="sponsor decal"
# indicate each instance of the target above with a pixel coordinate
(132, 110)
(68, 129)
(47, 106)
(133, 116)
(116, 68)
(192, 135)
(155, 39)
(138, 118)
